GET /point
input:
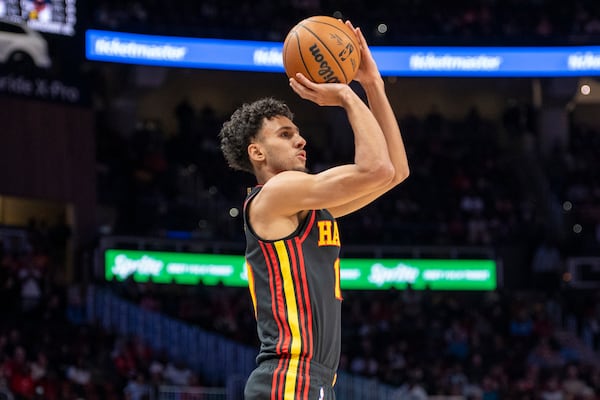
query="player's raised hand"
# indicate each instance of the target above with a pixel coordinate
(368, 69)
(323, 94)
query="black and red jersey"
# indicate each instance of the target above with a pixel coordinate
(294, 283)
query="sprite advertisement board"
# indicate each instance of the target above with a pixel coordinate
(355, 273)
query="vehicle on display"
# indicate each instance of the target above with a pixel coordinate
(21, 46)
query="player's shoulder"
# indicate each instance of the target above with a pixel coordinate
(286, 178)
(283, 187)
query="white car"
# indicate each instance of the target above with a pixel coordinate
(21, 45)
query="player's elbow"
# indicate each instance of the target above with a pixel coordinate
(401, 174)
(383, 173)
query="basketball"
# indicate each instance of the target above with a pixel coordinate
(323, 48)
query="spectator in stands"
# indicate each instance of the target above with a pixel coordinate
(573, 386)
(412, 389)
(79, 374)
(177, 373)
(422, 22)
(551, 388)
(39, 367)
(546, 266)
(545, 354)
(137, 388)
(30, 281)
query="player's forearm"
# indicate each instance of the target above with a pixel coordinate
(371, 152)
(384, 114)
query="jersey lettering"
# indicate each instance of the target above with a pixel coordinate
(329, 234)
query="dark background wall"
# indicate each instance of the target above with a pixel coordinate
(47, 152)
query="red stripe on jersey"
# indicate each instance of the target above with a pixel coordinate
(309, 317)
(277, 386)
(309, 225)
(277, 392)
(285, 336)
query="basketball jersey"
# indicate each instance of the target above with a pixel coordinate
(294, 283)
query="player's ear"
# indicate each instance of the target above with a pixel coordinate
(255, 152)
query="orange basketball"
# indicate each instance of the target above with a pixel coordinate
(323, 48)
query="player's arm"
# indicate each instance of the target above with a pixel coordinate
(291, 191)
(370, 79)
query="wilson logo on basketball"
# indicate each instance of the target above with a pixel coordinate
(324, 68)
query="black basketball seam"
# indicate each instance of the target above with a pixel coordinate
(351, 38)
(286, 44)
(302, 58)
(316, 21)
(329, 51)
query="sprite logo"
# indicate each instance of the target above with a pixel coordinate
(402, 273)
(146, 265)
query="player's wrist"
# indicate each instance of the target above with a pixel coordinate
(374, 81)
(347, 97)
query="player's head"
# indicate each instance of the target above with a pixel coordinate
(244, 126)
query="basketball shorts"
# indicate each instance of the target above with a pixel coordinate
(282, 380)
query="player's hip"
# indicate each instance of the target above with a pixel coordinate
(290, 379)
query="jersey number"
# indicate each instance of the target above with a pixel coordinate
(338, 289)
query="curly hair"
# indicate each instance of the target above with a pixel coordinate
(244, 124)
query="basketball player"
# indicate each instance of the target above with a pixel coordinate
(292, 236)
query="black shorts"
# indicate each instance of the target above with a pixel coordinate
(281, 380)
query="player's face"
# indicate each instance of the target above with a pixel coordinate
(283, 145)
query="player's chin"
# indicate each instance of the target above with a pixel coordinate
(301, 169)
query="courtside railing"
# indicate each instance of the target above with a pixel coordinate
(220, 361)
(191, 393)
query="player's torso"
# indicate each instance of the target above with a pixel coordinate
(294, 283)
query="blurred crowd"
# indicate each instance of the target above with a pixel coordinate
(48, 351)
(574, 176)
(470, 187)
(479, 345)
(406, 22)
(504, 344)
(159, 182)
(471, 184)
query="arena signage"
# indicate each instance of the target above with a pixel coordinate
(183, 52)
(392, 61)
(57, 17)
(355, 274)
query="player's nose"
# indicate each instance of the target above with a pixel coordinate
(300, 142)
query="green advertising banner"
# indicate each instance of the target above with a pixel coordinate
(355, 274)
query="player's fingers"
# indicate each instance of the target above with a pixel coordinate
(302, 79)
(361, 39)
(300, 89)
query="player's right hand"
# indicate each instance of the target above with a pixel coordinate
(323, 94)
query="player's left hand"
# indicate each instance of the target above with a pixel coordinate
(368, 70)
